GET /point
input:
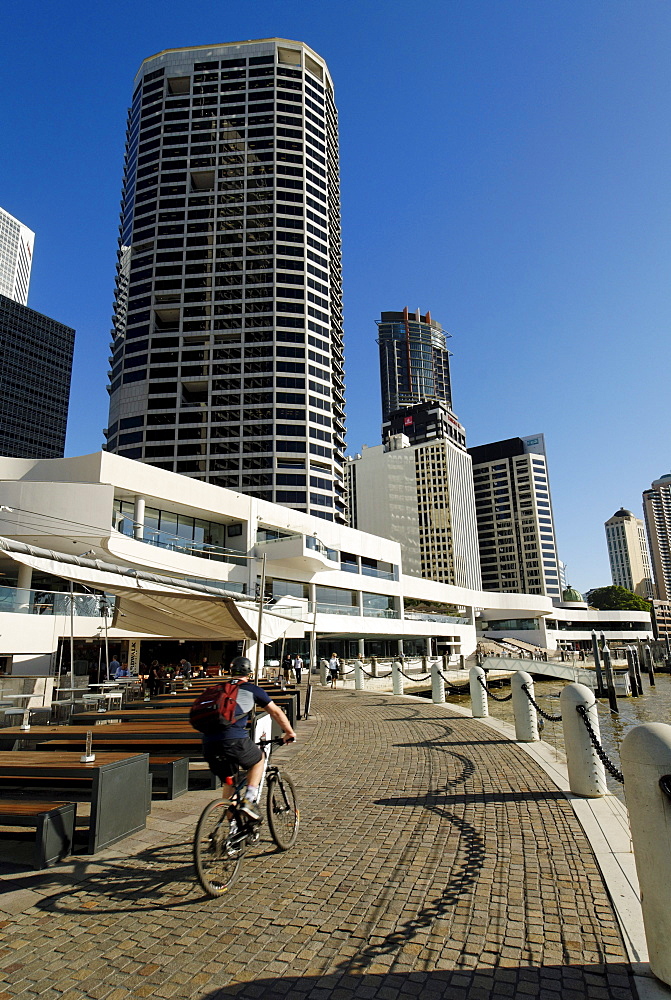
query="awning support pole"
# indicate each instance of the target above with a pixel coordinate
(259, 643)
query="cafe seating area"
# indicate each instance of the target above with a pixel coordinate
(83, 777)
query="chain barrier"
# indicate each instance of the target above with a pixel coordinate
(665, 784)
(600, 752)
(410, 677)
(489, 693)
(454, 688)
(545, 715)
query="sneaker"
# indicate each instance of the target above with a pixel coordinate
(249, 809)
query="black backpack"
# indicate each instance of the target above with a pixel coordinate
(214, 709)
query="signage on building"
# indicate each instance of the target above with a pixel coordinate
(407, 421)
(134, 656)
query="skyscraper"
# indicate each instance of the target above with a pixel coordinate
(414, 361)
(628, 553)
(518, 549)
(16, 258)
(227, 360)
(657, 511)
(36, 354)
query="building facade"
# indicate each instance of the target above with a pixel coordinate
(518, 550)
(16, 258)
(628, 553)
(421, 495)
(414, 361)
(657, 512)
(227, 359)
(35, 375)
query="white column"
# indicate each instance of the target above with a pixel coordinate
(362, 649)
(358, 676)
(138, 518)
(526, 720)
(586, 773)
(23, 585)
(479, 705)
(396, 677)
(437, 684)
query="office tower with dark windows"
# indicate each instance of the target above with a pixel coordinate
(227, 355)
(657, 512)
(414, 361)
(518, 549)
(16, 258)
(35, 369)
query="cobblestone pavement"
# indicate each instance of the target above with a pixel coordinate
(432, 860)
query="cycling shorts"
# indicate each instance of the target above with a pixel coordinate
(226, 756)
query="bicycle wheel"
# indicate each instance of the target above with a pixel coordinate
(282, 810)
(218, 848)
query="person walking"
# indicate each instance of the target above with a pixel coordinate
(298, 667)
(334, 667)
(287, 666)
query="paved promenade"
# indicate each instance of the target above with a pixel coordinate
(434, 860)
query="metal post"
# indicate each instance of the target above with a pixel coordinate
(597, 666)
(637, 669)
(610, 681)
(647, 652)
(259, 642)
(107, 644)
(313, 636)
(72, 631)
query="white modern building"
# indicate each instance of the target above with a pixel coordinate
(182, 562)
(628, 553)
(420, 495)
(16, 258)
(518, 549)
(227, 357)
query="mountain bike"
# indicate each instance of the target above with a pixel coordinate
(224, 831)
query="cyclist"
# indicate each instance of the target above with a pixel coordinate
(231, 748)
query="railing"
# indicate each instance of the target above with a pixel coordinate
(48, 602)
(420, 616)
(313, 543)
(175, 543)
(337, 609)
(380, 574)
(380, 613)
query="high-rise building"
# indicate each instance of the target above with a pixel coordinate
(657, 511)
(518, 550)
(35, 370)
(628, 553)
(424, 422)
(16, 258)
(414, 361)
(420, 495)
(227, 360)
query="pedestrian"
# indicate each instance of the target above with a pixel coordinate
(154, 678)
(298, 667)
(287, 667)
(114, 665)
(334, 667)
(186, 668)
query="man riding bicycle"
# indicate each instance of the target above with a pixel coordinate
(231, 748)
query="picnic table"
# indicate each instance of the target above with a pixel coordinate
(117, 784)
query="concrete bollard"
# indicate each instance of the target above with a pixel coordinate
(397, 677)
(646, 756)
(373, 666)
(437, 684)
(323, 671)
(526, 718)
(586, 773)
(358, 676)
(479, 705)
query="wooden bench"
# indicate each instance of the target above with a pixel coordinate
(54, 824)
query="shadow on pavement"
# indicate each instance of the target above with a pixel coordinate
(592, 982)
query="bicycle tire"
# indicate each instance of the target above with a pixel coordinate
(216, 861)
(282, 811)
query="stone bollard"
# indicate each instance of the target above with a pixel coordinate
(586, 773)
(373, 666)
(479, 705)
(437, 684)
(358, 676)
(397, 677)
(425, 665)
(323, 671)
(526, 719)
(646, 756)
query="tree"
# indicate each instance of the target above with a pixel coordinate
(616, 599)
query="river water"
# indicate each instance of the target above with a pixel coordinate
(653, 706)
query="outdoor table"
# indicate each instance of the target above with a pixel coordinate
(118, 783)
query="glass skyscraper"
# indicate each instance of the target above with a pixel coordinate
(16, 257)
(414, 361)
(227, 355)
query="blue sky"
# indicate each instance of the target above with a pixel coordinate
(505, 164)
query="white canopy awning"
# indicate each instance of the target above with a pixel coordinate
(146, 603)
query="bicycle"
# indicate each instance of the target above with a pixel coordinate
(224, 831)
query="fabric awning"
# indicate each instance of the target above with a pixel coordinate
(147, 603)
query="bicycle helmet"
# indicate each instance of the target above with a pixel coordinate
(241, 667)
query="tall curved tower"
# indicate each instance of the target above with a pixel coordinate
(227, 360)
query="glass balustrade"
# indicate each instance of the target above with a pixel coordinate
(49, 602)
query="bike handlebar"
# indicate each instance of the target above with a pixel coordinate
(276, 740)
